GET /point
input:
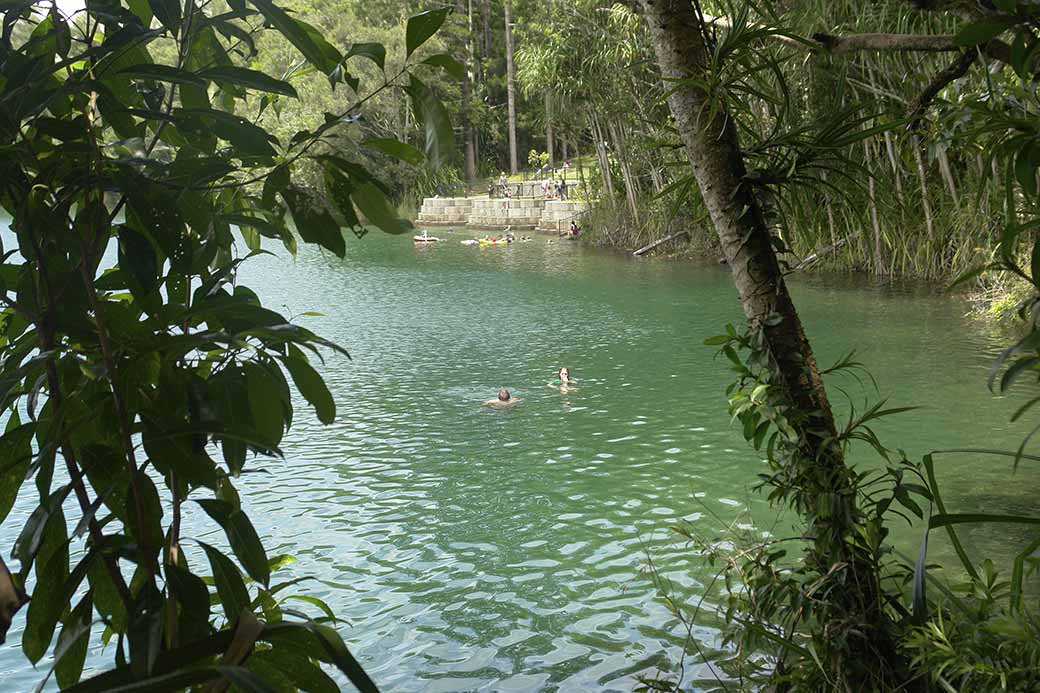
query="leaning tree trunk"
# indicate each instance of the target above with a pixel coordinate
(853, 623)
(511, 87)
(617, 134)
(603, 158)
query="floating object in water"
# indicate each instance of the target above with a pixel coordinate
(425, 239)
(470, 241)
(493, 241)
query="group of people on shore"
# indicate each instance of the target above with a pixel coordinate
(554, 190)
(563, 381)
(551, 189)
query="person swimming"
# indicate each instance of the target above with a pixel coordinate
(563, 379)
(504, 399)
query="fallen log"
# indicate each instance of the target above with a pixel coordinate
(823, 252)
(650, 246)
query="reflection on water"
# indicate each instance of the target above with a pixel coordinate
(475, 549)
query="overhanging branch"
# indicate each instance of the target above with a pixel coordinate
(842, 44)
(953, 72)
(919, 43)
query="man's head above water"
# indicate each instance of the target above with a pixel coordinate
(503, 395)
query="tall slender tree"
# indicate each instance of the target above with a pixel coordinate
(466, 53)
(511, 86)
(824, 485)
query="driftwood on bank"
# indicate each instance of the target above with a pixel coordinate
(810, 260)
(650, 246)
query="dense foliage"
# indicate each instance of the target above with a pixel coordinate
(138, 378)
(865, 616)
(151, 147)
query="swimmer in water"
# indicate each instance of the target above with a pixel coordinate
(504, 399)
(564, 381)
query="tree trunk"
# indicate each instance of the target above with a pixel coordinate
(922, 179)
(617, 134)
(511, 87)
(830, 213)
(869, 159)
(581, 169)
(467, 130)
(563, 146)
(485, 18)
(549, 132)
(853, 614)
(947, 174)
(897, 174)
(603, 158)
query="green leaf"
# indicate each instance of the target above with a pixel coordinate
(192, 595)
(137, 256)
(338, 189)
(979, 32)
(342, 658)
(299, 668)
(1020, 52)
(1025, 172)
(106, 596)
(168, 12)
(48, 599)
(15, 456)
(71, 650)
(440, 138)
(149, 512)
(251, 79)
(301, 35)
(252, 139)
(397, 149)
(377, 210)
(243, 537)
(375, 52)
(314, 223)
(422, 26)
(174, 451)
(919, 597)
(231, 589)
(311, 385)
(447, 63)
(948, 519)
(265, 406)
(245, 680)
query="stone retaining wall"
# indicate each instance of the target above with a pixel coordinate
(550, 215)
(558, 214)
(445, 210)
(501, 212)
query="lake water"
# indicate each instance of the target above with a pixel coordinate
(475, 549)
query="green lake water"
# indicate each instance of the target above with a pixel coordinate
(474, 549)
